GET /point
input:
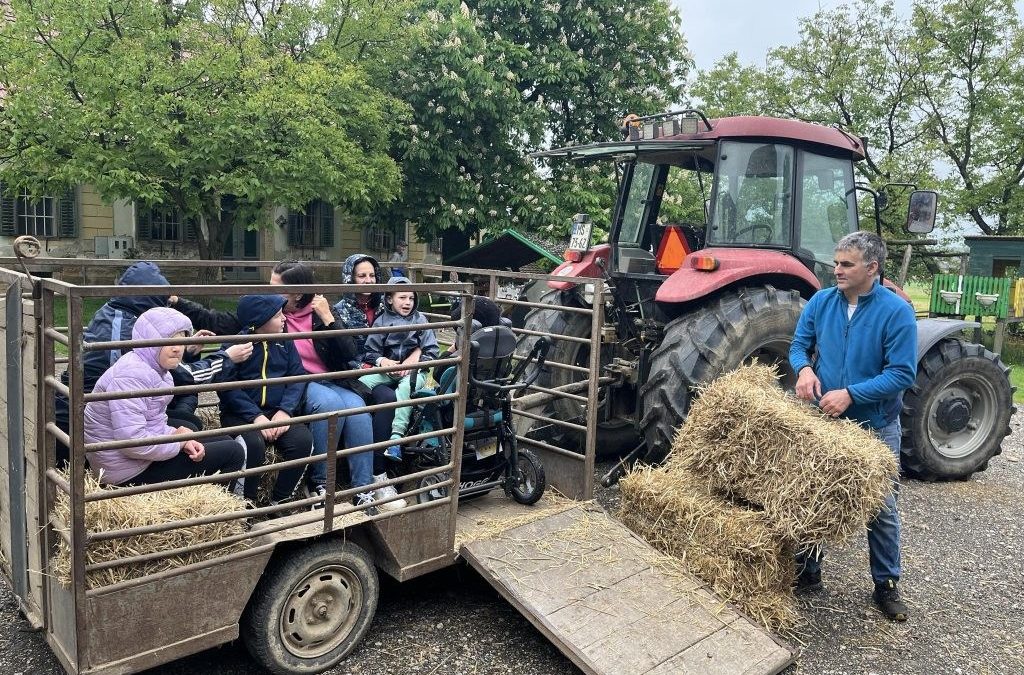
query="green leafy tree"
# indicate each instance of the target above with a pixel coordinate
(219, 108)
(491, 81)
(730, 88)
(970, 90)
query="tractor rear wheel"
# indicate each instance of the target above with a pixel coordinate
(735, 328)
(957, 413)
(613, 436)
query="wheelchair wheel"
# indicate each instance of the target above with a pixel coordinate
(433, 493)
(525, 482)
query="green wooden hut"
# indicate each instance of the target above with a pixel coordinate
(995, 256)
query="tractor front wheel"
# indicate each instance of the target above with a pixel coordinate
(735, 328)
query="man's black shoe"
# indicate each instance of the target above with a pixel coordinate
(808, 581)
(887, 597)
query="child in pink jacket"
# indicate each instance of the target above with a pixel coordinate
(143, 417)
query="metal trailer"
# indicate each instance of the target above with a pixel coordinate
(261, 591)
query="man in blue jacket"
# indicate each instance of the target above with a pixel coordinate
(855, 351)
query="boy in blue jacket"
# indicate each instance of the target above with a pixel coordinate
(263, 315)
(855, 352)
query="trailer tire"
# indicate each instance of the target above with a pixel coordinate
(613, 437)
(312, 608)
(733, 329)
(959, 384)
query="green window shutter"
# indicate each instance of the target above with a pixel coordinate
(68, 221)
(191, 229)
(326, 225)
(7, 224)
(142, 224)
(293, 229)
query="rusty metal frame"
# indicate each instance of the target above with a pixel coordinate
(573, 391)
(67, 612)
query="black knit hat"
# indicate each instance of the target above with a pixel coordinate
(256, 310)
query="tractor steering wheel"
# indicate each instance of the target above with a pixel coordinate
(753, 228)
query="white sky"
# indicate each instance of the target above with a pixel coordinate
(713, 28)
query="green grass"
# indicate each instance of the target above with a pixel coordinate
(920, 295)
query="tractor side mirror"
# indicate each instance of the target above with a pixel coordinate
(921, 214)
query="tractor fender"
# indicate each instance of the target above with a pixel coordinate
(587, 267)
(931, 331)
(734, 265)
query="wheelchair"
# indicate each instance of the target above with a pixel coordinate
(491, 457)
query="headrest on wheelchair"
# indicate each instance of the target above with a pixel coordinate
(496, 342)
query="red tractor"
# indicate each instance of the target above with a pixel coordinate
(688, 301)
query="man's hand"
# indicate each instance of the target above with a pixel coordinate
(194, 449)
(808, 386)
(835, 403)
(195, 349)
(239, 353)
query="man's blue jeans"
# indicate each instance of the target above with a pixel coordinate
(884, 530)
(355, 430)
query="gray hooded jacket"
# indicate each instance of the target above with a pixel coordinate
(400, 344)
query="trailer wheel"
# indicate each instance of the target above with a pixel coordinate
(528, 486)
(735, 328)
(957, 413)
(312, 608)
(613, 436)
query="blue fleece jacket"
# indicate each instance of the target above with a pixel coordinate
(873, 355)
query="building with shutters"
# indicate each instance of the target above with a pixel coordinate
(79, 224)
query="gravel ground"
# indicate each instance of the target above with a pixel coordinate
(964, 571)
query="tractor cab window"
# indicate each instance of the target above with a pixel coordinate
(753, 188)
(827, 210)
(636, 210)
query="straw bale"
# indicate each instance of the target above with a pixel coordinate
(210, 417)
(817, 478)
(148, 509)
(735, 550)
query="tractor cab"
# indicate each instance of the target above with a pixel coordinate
(688, 183)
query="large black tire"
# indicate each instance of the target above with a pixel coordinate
(735, 328)
(613, 437)
(957, 413)
(311, 608)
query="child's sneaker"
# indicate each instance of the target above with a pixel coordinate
(366, 499)
(394, 453)
(319, 492)
(386, 492)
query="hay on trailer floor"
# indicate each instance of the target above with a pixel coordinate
(735, 550)
(817, 478)
(148, 509)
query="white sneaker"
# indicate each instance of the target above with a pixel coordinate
(387, 492)
(365, 499)
(319, 491)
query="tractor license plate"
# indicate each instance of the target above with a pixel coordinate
(579, 238)
(485, 450)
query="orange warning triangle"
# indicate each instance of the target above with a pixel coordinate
(672, 250)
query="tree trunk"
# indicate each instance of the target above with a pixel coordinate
(213, 234)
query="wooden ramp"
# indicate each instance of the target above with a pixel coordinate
(613, 604)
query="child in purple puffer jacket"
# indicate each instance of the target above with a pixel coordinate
(143, 417)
